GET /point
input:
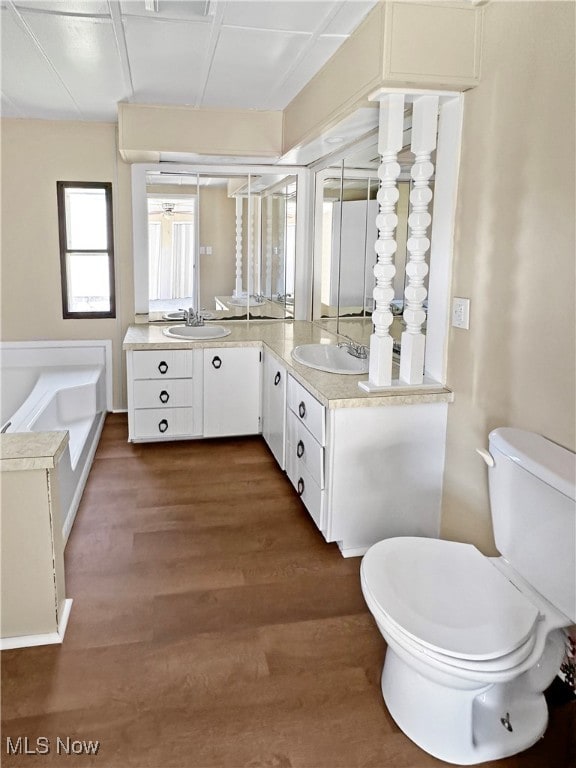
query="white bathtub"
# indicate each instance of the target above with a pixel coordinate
(54, 386)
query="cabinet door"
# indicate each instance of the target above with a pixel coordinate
(274, 407)
(232, 391)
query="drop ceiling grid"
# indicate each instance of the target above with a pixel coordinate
(28, 82)
(247, 66)
(83, 52)
(63, 59)
(166, 59)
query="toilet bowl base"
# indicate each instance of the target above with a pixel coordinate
(462, 726)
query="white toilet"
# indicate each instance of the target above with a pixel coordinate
(474, 641)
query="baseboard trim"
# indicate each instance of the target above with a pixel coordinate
(49, 638)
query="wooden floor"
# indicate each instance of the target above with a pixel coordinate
(212, 626)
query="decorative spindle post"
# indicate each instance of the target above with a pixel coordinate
(269, 234)
(281, 240)
(390, 140)
(424, 130)
(238, 286)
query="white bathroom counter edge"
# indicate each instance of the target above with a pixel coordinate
(280, 338)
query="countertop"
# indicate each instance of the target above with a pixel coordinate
(280, 338)
(31, 450)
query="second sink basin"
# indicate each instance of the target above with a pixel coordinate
(330, 358)
(196, 332)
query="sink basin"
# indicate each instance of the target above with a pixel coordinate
(179, 315)
(330, 358)
(173, 315)
(196, 332)
(238, 301)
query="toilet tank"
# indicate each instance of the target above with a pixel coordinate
(532, 497)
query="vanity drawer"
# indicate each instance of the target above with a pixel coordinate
(311, 495)
(307, 409)
(171, 393)
(305, 448)
(163, 422)
(162, 364)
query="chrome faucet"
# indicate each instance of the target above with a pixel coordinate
(192, 317)
(356, 350)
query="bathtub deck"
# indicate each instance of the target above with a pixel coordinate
(213, 626)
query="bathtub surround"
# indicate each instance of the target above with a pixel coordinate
(65, 386)
(34, 607)
(54, 398)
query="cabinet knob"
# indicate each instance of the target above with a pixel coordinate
(163, 367)
(277, 379)
(216, 362)
(300, 449)
(163, 425)
(302, 409)
(164, 396)
(300, 486)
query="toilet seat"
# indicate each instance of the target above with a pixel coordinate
(449, 598)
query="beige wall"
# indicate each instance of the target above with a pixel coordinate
(217, 230)
(514, 253)
(35, 155)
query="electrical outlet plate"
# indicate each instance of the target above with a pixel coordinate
(461, 313)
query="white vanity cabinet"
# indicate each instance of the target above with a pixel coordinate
(366, 473)
(274, 406)
(164, 394)
(232, 391)
(305, 453)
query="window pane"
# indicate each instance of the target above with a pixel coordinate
(86, 220)
(88, 282)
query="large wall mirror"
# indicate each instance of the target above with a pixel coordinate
(221, 241)
(345, 235)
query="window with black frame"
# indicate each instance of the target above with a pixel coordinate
(86, 249)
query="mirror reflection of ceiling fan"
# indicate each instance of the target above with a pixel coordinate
(170, 207)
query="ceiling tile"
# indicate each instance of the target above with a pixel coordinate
(313, 60)
(8, 109)
(86, 7)
(27, 79)
(286, 15)
(84, 53)
(166, 59)
(168, 9)
(248, 65)
(349, 16)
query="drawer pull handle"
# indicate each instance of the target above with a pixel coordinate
(277, 379)
(302, 409)
(216, 362)
(300, 449)
(163, 367)
(300, 486)
(163, 425)
(164, 396)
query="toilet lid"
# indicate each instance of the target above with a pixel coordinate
(447, 596)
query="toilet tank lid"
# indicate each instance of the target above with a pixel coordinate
(544, 459)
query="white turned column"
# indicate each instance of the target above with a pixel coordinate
(280, 249)
(257, 247)
(424, 131)
(269, 235)
(250, 249)
(390, 137)
(238, 284)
